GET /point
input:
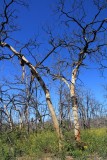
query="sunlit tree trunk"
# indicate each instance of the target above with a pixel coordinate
(75, 105)
(20, 123)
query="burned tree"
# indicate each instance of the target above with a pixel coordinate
(82, 40)
(7, 27)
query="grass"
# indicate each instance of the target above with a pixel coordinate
(96, 140)
(94, 143)
(20, 144)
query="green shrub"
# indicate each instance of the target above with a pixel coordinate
(44, 142)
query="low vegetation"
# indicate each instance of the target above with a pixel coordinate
(45, 143)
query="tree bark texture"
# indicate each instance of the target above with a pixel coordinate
(75, 106)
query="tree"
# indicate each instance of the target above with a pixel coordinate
(7, 27)
(90, 109)
(82, 40)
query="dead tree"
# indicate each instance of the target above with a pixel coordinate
(6, 27)
(83, 39)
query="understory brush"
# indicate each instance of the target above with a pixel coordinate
(94, 142)
(19, 144)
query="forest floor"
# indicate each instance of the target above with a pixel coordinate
(91, 157)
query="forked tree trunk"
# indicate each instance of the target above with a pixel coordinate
(75, 106)
(74, 100)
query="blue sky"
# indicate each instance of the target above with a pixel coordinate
(31, 21)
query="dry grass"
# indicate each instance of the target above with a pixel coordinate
(43, 158)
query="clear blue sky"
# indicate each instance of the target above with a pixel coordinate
(31, 21)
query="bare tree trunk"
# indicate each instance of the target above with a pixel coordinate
(69, 118)
(9, 117)
(50, 106)
(74, 100)
(75, 106)
(42, 83)
(0, 120)
(60, 105)
(54, 118)
(20, 117)
(20, 122)
(26, 114)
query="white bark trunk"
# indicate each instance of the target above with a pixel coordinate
(75, 106)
